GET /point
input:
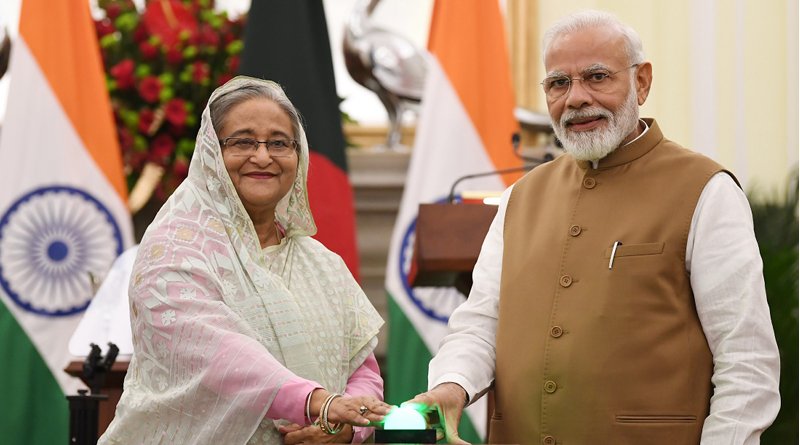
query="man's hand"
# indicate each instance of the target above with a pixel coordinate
(448, 399)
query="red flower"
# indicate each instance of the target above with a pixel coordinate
(175, 112)
(125, 138)
(140, 34)
(233, 64)
(161, 149)
(200, 72)
(123, 74)
(167, 19)
(181, 167)
(150, 88)
(113, 10)
(223, 78)
(146, 117)
(174, 55)
(104, 27)
(149, 52)
(208, 36)
(136, 159)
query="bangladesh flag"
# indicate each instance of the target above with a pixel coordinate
(286, 41)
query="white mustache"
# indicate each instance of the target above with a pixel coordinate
(588, 112)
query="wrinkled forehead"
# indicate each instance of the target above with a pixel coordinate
(575, 51)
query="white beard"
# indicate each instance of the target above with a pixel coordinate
(596, 144)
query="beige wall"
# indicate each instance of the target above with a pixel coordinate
(725, 76)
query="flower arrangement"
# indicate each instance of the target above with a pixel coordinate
(162, 64)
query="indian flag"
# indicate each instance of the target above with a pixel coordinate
(465, 126)
(62, 211)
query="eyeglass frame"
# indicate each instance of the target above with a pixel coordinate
(582, 77)
(292, 143)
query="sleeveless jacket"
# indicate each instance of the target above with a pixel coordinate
(595, 351)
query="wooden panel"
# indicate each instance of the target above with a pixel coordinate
(448, 241)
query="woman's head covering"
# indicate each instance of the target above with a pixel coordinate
(293, 211)
(219, 323)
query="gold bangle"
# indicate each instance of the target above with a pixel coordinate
(323, 418)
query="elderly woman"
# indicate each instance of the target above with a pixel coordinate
(246, 329)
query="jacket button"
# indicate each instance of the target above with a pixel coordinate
(556, 331)
(575, 230)
(548, 440)
(565, 281)
(550, 386)
(589, 183)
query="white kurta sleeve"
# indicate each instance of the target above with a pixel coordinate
(723, 259)
(467, 354)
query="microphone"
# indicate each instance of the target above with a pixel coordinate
(515, 142)
(451, 196)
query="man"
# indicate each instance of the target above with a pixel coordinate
(618, 297)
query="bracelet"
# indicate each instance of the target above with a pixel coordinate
(323, 419)
(308, 406)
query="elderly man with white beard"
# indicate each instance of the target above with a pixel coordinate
(619, 296)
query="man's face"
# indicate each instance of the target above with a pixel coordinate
(592, 123)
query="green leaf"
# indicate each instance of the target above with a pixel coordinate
(110, 40)
(127, 21)
(235, 47)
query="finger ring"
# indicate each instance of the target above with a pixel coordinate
(363, 410)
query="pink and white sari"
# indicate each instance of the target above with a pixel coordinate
(220, 323)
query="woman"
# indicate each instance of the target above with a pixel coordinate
(244, 327)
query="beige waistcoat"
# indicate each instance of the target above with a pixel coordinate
(588, 354)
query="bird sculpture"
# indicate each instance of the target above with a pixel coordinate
(384, 62)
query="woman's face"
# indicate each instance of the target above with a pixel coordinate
(260, 179)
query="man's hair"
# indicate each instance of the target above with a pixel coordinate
(596, 19)
(269, 90)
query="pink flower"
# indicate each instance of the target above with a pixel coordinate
(123, 74)
(150, 88)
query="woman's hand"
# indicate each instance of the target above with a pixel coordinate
(297, 434)
(357, 411)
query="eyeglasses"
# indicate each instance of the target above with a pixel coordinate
(277, 148)
(599, 80)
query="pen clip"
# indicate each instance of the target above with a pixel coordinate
(613, 253)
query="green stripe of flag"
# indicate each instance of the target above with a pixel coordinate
(407, 366)
(41, 413)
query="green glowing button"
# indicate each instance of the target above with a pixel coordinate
(404, 418)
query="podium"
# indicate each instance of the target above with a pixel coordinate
(112, 387)
(448, 241)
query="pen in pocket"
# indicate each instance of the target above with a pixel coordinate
(613, 253)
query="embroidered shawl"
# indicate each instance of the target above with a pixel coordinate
(218, 322)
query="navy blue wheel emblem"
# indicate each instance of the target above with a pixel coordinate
(436, 303)
(50, 240)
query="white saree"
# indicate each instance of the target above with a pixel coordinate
(220, 323)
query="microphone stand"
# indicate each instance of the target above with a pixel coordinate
(84, 408)
(515, 138)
